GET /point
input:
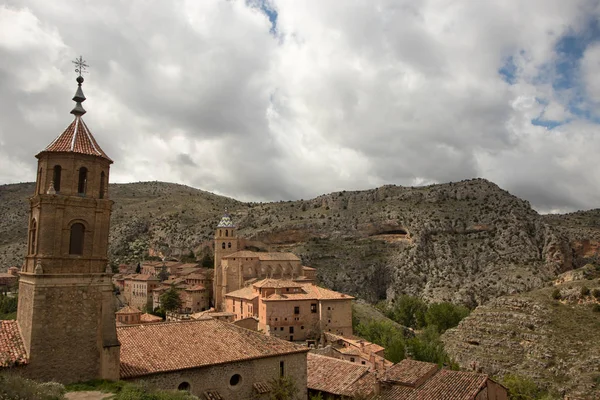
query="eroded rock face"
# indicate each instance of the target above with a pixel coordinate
(464, 242)
(534, 335)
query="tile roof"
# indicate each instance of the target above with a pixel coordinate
(141, 277)
(154, 348)
(305, 268)
(77, 138)
(195, 288)
(226, 221)
(263, 256)
(247, 293)
(277, 283)
(332, 375)
(128, 310)
(309, 292)
(262, 387)
(410, 372)
(12, 348)
(148, 318)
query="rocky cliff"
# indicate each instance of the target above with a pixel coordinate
(537, 335)
(466, 242)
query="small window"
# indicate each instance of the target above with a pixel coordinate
(281, 328)
(351, 359)
(291, 329)
(56, 177)
(76, 239)
(235, 379)
(313, 308)
(226, 233)
(281, 368)
(82, 185)
(184, 386)
(32, 239)
(291, 338)
(296, 310)
(229, 245)
(302, 327)
(329, 308)
(223, 245)
(363, 362)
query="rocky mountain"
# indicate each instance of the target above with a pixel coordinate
(465, 242)
(546, 334)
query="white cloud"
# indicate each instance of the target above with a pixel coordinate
(344, 95)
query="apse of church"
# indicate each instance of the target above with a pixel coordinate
(66, 310)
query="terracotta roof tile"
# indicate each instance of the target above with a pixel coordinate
(128, 310)
(263, 256)
(149, 318)
(153, 348)
(410, 372)
(262, 387)
(277, 283)
(332, 375)
(77, 138)
(247, 293)
(309, 292)
(195, 288)
(12, 348)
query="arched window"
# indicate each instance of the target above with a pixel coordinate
(226, 232)
(184, 386)
(102, 177)
(81, 186)
(32, 237)
(223, 245)
(229, 245)
(56, 177)
(76, 240)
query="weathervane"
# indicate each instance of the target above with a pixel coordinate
(81, 65)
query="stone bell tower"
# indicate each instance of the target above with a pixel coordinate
(226, 242)
(66, 309)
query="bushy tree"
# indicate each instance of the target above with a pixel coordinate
(8, 306)
(427, 346)
(170, 300)
(207, 261)
(384, 334)
(409, 311)
(283, 388)
(445, 315)
(524, 388)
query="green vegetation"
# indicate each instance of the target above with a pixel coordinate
(585, 291)
(170, 300)
(283, 388)
(523, 388)
(129, 391)
(556, 294)
(15, 387)
(8, 306)
(426, 345)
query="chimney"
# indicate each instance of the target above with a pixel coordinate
(377, 386)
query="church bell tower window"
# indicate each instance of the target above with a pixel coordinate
(102, 178)
(81, 187)
(56, 177)
(32, 238)
(76, 239)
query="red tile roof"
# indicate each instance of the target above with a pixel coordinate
(247, 293)
(149, 318)
(128, 310)
(153, 348)
(309, 291)
(410, 372)
(273, 256)
(12, 348)
(446, 385)
(77, 138)
(335, 376)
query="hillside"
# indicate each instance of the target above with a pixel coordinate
(534, 334)
(467, 242)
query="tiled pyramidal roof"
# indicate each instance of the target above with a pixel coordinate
(77, 138)
(226, 221)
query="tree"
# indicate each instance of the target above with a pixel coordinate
(207, 261)
(445, 315)
(170, 300)
(138, 269)
(384, 334)
(409, 311)
(523, 388)
(283, 388)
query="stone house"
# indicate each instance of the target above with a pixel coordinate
(9, 279)
(338, 379)
(209, 358)
(292, 310)
(137, 290)
(356, 350)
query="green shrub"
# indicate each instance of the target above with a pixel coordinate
(427, 346)
(409, 311)
(15, 387)
(524, 388)
(584, 291)
(143, 392)
(385, 334)
(556, 294)
(445, 315)
(596, 293)
(596, 308)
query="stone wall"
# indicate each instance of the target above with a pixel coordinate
(219, 377)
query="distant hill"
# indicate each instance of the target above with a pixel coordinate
(466, 242)
(551, 341)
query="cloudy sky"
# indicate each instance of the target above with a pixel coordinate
(271, 100)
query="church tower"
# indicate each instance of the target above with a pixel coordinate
(226, 242)
(66, 309)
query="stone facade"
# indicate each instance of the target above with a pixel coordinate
(137, 290)
(219, 377)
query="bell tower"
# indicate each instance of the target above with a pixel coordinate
(226, 242)
(66, 306)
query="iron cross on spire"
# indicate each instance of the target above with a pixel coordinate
(81, 65)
